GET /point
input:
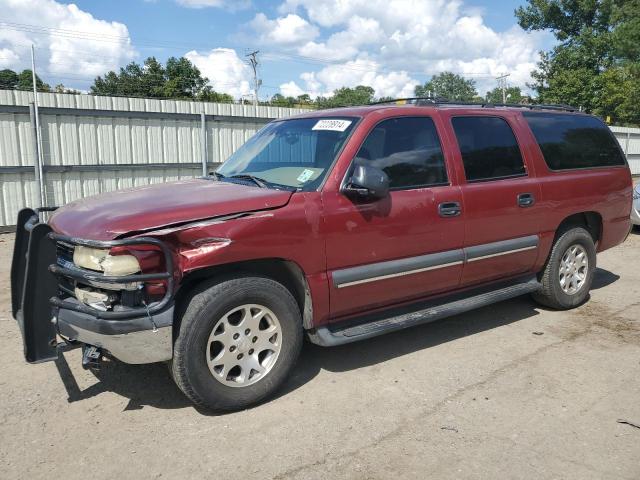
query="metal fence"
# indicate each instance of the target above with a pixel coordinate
(629, 139)
(91, 145)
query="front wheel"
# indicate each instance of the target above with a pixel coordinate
(568, 274)
(238, 341)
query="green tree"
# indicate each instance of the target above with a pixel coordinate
(280, 100)
(449, 86)
(208, 94)
(513, 94)
(304, 99)
(60, 88)
(8, 79)
(25, 82)
(178, 79)
(597, 61)
(346, 96)
(183, 79)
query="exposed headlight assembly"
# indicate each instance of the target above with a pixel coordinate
(100, 260)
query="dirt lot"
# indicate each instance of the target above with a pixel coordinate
(509, 391)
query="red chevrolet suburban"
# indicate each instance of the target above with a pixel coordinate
(339, 225)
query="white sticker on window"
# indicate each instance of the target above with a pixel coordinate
(335, 124)
(305, 175)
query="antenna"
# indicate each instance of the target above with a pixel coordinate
(253, 61)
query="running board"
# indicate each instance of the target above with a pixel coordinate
(329, 336)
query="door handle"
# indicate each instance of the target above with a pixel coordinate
(526, 199)
(449, 209)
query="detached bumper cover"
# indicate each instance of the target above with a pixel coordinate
(138, 335)
(135, 340)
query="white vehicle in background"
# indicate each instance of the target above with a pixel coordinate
(635, 208)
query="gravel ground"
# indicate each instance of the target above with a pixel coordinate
(508, 391)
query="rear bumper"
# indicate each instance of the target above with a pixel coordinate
(44, 311)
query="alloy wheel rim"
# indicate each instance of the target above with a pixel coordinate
(573, 270)
(244, 345)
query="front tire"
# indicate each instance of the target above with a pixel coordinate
(238, 341)
(568, 274)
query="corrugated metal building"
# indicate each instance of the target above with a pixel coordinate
(95, 144)
(629, 139)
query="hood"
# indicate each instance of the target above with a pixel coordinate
(112, 215)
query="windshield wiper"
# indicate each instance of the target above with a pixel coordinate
(262, 183)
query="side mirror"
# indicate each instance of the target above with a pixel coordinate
(367, 183)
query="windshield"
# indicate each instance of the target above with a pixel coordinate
(295, 153)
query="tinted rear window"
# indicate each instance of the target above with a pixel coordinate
(574, 141)
(488, 147)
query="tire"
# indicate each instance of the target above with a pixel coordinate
(231, 305)
(557, 290)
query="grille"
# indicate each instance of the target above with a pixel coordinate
(64, 252)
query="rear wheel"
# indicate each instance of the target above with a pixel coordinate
(238, 341)
(568, 274)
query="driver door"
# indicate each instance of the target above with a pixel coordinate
(407, 245)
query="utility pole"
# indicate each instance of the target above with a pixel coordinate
(253, 61)
(38, 134)
(502, 84)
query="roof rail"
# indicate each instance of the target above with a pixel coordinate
(438, 101)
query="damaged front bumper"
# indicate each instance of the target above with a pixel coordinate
(44, 309)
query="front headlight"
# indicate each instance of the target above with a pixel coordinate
(636, 192)
(100, 260)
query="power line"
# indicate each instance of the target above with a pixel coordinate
(76, 34)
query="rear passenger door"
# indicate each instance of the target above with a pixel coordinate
(500, 193)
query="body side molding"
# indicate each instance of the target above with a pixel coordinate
(373, 272)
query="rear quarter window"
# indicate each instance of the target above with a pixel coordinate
(574, 141)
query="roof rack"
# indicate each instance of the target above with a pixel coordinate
(439, 101)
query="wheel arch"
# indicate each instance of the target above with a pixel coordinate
(284, 271)
(591, 221)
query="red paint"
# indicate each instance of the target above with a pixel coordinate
(324, 231)
(115, 214)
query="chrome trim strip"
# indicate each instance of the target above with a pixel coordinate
(501, 253)
(373, 272)
(502, 246)
(393, 268)
(399, 274)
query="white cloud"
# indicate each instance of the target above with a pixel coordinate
(350, 74)
(287, 30)
(227, 4)
(74, 43)
(412, 38)
(291, 89)
(8, 57)
(345, 44)
(226, 71)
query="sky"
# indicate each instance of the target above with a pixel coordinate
(306, 46)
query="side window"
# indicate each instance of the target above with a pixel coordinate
(489, 148)
(571, 141)
(408, 150)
